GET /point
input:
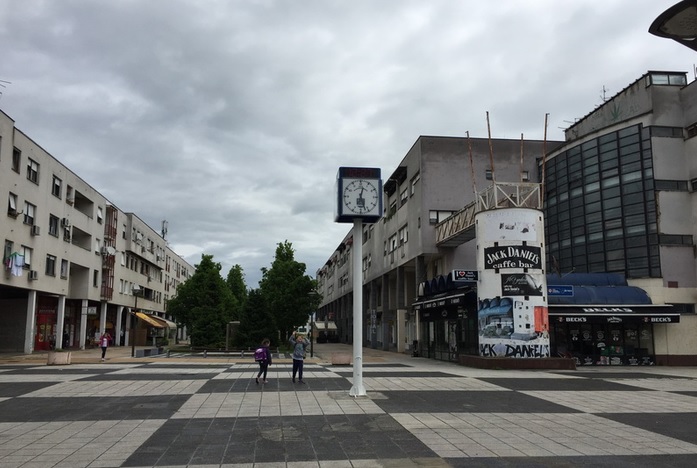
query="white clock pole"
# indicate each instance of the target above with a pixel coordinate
(357, 389)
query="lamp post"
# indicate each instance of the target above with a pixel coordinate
(135, 291)
(679, 23)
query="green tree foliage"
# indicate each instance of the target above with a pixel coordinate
(205, 304)
(235, 281)
(256, 322)
(288, 292)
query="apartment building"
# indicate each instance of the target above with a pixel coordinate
(617, 198)
(74, 263)
(401, 252)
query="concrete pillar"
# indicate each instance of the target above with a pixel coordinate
(30, 323)
(83, 323)
(60, 322)
(117, 330)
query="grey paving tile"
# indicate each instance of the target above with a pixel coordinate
(575, 384)
(465, 401)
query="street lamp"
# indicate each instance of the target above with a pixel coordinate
(679, 23)
(135, 290)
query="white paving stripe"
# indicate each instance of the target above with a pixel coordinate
(534, 434)
(16, 378)
(73, 443)
(620, 401)
(118, 388)
(382, 384)
(232, 405)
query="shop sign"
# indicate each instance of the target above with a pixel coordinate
(465, 275)
(661, 319)
(512, 256)
(560, 290)
(520, 285)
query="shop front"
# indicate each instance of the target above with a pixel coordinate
(447, 326)
(607, 336)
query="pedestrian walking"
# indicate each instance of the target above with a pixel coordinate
(263, 356)
(298, 343)
(104, 341)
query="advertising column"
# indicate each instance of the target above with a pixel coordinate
(512, 290)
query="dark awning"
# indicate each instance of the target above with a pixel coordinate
(594, 313)
(453, 299)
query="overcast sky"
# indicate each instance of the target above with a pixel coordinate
(229, 119)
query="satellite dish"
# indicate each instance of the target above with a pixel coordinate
(110, 250)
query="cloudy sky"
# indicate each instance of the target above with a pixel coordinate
(230, 118)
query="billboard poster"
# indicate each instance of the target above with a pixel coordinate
(512, 290)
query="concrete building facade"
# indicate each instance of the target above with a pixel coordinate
(72, 259)
(436, 178)
(617, 197)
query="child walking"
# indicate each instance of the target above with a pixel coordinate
(298, 343)
(264, 359)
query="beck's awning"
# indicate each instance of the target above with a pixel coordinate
(150, 320)
(593, 313)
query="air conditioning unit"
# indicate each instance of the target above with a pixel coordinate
(104, 251)
(35, 230)
(65, 222)
(33, 275)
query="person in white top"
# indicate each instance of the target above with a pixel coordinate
(104, 343)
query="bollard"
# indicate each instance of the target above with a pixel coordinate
(168, 353)
(205, 353)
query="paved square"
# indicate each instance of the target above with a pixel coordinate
(178, 413)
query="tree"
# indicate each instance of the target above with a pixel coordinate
(256, 322)
(288, 292)
(204, 304)
(235, 281)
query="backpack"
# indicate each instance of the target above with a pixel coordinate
(260, 354)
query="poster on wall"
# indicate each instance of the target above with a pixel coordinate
(521, 284)
(512, 305)
(511, 224)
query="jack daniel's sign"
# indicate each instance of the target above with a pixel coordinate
(512, 256)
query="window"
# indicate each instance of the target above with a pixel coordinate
(414, 181)
(27, 253)
(674, 185)
(436, 216)
(12, 205)
(666, 132)
(16, 160)
(29, 210)
(57, 187)
(403, 235)
(673, 79)
(489, 174)
(95, 278)
(392, 243)
(64, 268)
(525, 176)
(33, 171)
(393, 208)
(403, 195)
(8, 250)
(100, 216)
(53, 225)
(50, 265)
(69, 197)
(674, 239)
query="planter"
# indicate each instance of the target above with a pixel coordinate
(58, 358)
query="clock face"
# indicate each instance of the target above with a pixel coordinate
(361, 196)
